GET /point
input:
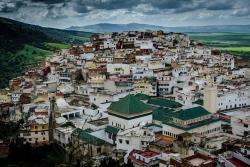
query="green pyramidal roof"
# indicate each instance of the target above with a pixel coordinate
(129, 105)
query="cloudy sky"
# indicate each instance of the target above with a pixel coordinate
(66, 13)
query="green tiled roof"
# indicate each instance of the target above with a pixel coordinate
(141, 96)
(85, 135)
(162, 114)
(129, 105)
(191, 113)
(192, 126)
(164, 102)
(199, 101)
(130, 117)
(112, 129)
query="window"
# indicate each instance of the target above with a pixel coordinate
(245, 126)
(35, 132)
(42, 127)
(44, 138)
(98, 150)
(109, 135)
(35, 127)
(120, 141)
(127, 141)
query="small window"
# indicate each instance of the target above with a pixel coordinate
(109, 135)
(120, 141)
(127, 141)
(98, 150)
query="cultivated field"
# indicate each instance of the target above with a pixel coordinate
(237, 44)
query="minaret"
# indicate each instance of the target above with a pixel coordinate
(51, 119)
(210, 96)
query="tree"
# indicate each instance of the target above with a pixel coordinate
(34, 52)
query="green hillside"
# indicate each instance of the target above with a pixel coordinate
(237, 44)
(24, 44)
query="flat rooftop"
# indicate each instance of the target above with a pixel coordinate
(197, 161)
(67, 129)
(99, 122)
(239, 113)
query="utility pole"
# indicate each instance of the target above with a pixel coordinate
(51, 119)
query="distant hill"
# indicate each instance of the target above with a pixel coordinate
(106, 27)
(24, 44)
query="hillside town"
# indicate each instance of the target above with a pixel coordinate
(141, 98)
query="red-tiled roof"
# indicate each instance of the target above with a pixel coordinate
(146, 154)
(238, 163)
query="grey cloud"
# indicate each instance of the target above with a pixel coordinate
(241, 13)
(49, 1)
(219, 5)
(11, 6)
(72, 9)
(175, 6)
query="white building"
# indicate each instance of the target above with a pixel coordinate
(100, 97)
(192, 120)
(109, 44)
(15, 97)
(232, 99)
(240, 121)
(135, 138)
(62, 135)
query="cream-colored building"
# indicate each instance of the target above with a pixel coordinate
(122, 69)
(147, 86)
(37, 132)
(154, 64)
(5, 96)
